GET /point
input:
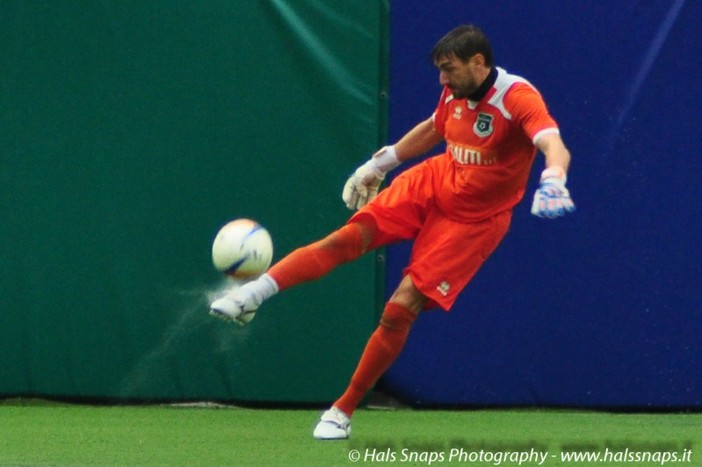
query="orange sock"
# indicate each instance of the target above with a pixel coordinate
(315, 260)
(383, 347)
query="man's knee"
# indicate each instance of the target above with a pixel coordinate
(408, 296)
(366, 229)
(397, 318)
(347, 243)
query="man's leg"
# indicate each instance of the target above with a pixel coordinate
(305, 264)
(383, 347)
(317, 259)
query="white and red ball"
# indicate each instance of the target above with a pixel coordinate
(242, 249)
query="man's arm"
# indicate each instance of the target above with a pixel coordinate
(365, 182)
(417, 141)
(555, 152)
(552, 199)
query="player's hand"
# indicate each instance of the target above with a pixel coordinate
(552, 199)
(362, 187)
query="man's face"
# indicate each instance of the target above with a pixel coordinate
(462, 78)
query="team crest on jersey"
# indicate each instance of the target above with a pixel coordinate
(483, 125)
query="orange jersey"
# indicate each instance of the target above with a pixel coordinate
(489, 147)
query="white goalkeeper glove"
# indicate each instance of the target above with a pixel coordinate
(363, 185)
(552, 199)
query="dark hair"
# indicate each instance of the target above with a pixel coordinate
(463, 42)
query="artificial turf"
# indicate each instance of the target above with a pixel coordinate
(43, 433)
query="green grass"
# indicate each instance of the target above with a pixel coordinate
(66, 434)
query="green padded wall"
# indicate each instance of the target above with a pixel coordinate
(130, 131)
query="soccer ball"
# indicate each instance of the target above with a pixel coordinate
(242, 249)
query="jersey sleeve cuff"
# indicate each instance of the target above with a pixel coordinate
(545, 131)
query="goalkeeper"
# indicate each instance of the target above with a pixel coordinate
(456, 206)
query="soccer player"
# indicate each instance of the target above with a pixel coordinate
(456, 206)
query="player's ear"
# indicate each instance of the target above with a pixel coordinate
(477, 59)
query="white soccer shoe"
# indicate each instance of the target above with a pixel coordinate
(237, 306)
(334, 424)
(241, 301)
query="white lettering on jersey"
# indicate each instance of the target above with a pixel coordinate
(468, 156)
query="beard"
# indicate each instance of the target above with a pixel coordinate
(462, 92)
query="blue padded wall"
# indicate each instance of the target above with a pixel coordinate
(600, 309)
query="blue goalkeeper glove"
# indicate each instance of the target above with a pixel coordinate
(552, 199)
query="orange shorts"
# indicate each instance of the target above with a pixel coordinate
(446, 254)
